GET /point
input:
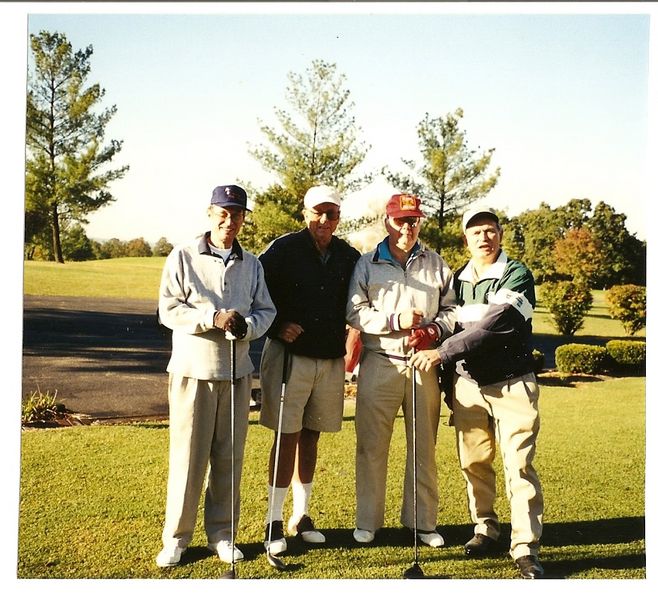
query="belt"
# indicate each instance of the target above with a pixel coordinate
(403, 359)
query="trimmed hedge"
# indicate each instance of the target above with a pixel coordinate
(627, 355)
(581, 358)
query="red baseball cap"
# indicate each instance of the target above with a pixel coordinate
(403, 205)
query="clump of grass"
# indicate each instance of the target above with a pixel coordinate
(40, 406)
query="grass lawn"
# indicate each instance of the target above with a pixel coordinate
(92, 500)
(114, 278)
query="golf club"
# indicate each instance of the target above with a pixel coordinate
(414, 572)
(230, 574)
(274, 561)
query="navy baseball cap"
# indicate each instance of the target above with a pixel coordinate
(229, 195)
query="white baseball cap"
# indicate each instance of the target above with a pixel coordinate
(471, 213)
(319, 194)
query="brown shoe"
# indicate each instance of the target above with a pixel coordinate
(530, 567)
(480, 545)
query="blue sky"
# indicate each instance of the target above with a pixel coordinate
(562, 98)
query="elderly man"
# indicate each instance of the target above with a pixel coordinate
(401, 297)
(210, 287)
(307, 273)
(495, 390)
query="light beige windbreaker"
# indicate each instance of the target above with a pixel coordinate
(381, 288)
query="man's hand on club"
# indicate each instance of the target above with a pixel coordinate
(425, 359)
(232, 321)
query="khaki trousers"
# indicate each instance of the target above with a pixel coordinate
(384, 386)
(506, 411)
(200, 435)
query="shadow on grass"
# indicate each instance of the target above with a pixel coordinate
(251, 551)
(602, 532)
(621, 530)
(569, 381)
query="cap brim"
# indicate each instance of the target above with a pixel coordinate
(233, 204)
(325, 201)
(406, 213)
(486, 213)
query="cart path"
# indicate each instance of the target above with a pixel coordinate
(106, 357)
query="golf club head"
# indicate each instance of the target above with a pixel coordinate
(230, 574)
(277, 563)
(413, 572)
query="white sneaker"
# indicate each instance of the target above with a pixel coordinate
(433, 538)
(363, 536)
(304, 527)
(276, 546)
(225, 551)
(169, 556)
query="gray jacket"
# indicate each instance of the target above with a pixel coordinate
(194, 285)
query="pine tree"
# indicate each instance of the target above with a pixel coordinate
(451, 176)
(316, 141)
(65, 179)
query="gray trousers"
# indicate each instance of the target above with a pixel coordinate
(200, 442)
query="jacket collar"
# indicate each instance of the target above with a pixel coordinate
(383, 252)
(236, 249)
(493, 271)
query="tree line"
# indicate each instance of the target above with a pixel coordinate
(314, 140)
(76, 246)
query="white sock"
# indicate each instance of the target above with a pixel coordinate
(275, 504)
(301, 498)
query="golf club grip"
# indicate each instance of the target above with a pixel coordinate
(233, 365)
(286, 361)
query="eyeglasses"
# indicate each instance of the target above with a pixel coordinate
(224, 215)
(332, 215)
(411, 221)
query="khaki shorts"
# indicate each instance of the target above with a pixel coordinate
(314, 392)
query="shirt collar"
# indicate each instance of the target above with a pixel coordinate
(236, 249)
(493, 271)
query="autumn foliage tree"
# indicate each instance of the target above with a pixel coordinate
(609, 252)
(578, 255)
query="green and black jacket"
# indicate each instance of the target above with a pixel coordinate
(493, 336)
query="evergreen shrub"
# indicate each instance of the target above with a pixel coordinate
(568, 304)
(628, 304)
